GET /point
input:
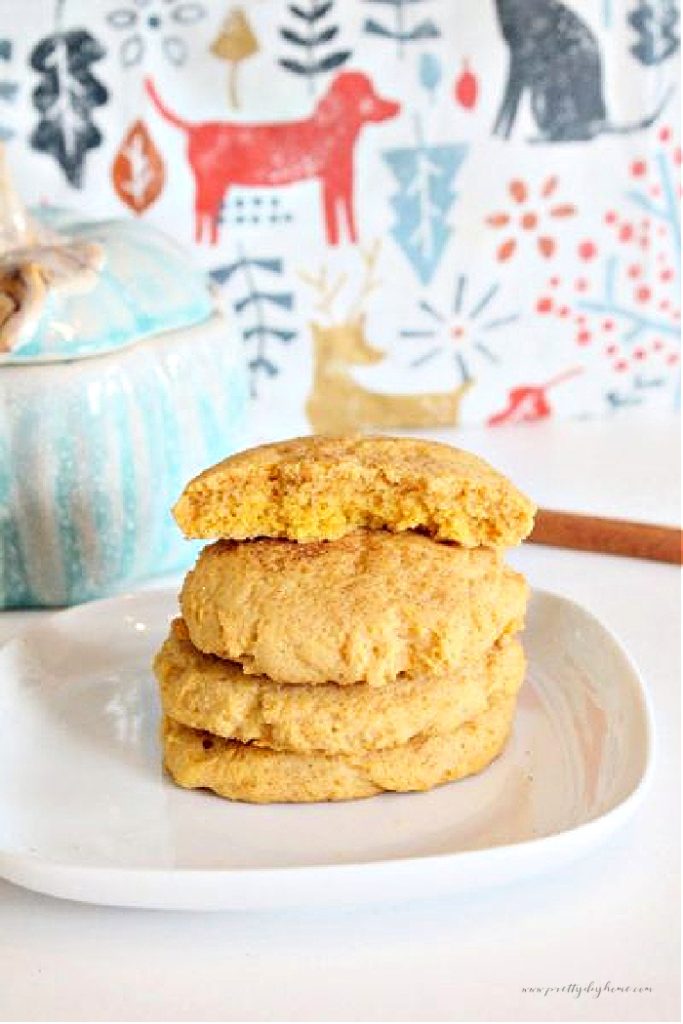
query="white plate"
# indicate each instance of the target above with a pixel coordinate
(87, 814)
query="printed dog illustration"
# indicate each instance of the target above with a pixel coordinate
(338, 403)
(555, 56)
(321, 146)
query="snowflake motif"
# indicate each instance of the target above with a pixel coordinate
(534, 220)
(146, 19)
(461, 331)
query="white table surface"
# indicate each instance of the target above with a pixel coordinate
(612, 918)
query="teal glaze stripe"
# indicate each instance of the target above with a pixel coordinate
(79, 427)
(145, 469)
(202, 373)
(171, 450)
(153, 427)
(163, 442)
(94, 429)
(14, 587)
(70, 547)
(235, 397)
(126, 484)
(32, 441)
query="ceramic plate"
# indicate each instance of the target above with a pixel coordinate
(87, 814)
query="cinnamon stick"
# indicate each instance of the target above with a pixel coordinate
(608, 536)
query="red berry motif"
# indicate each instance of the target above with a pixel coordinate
(466, 88)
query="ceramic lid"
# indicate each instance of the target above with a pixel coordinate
(71, 288)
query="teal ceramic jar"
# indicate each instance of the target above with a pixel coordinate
(117, 398)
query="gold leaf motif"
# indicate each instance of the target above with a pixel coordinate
(235, 42)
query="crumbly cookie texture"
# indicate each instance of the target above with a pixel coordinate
(205, 692)
(367, 608)
(240, 771)
(321, 488)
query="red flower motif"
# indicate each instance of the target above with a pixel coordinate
(534, 219)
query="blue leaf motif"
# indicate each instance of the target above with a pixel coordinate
(424, 175)
(430, 72)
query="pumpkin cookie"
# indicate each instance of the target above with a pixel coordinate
(205, 692)
(240, 771)
(321, 488)
(367, 608)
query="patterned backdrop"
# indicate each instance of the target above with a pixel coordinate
(417, 211)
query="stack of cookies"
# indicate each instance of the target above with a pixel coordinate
(353, 628)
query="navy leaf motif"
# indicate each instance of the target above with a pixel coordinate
(294, 65)
(261, 363)
(327, 35)
(425, 30)
(256, 304)
(282, 299)
(309, 34)
(317, 12)
(262, 331)
(274, 265)
(65, 98)
(293, 37)
(400, 32)
(333, 61)
(656, 24)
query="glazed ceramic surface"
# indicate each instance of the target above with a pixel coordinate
(147, 285)
(119, 380)
(93, 453)
(87, 813)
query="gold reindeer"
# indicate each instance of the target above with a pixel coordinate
(336, 402)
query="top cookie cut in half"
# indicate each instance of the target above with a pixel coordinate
(322, 488)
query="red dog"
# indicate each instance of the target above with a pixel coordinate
(320, 146)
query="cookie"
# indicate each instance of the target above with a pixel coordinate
(239, 771)
(205, 692)
(366, 608)
(321, 488)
